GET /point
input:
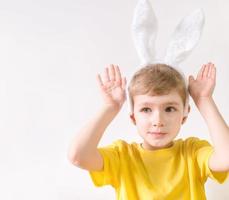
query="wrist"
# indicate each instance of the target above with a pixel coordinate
(111, 108)
(203, 101)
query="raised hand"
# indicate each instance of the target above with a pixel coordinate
(112, 87)
(203, 86)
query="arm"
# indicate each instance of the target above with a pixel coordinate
(83, 150)
(201, 91)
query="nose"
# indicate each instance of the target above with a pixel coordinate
(157, 120)
(159, 124)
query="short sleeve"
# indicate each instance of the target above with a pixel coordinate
(203, 151)
(110, 172)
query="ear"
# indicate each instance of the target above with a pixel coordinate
(186, 117)
(133, 118)
(144, 31)
(185, 38)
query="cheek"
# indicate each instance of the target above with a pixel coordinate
(143, 124)
(175, 120)
(140, 120)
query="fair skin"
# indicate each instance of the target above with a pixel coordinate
(83, 150)
(201, 90)
(163, 114)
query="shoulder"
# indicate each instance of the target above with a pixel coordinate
(193, 144)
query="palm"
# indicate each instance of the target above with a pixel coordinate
(112, 86)
(204, 84)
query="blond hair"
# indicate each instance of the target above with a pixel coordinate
(157, 79)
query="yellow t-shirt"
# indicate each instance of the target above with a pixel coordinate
(175, 173)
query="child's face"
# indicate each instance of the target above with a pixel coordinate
(163, 114)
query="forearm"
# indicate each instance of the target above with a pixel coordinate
(218, 128)
(86, 141)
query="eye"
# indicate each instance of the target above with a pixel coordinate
(170, 109)
(146, 110)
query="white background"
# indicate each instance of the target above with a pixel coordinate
(50, 52)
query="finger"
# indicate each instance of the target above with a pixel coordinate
(106, 75)
(112, 73)
(206, 70)
(99, 80)
(118, 76)
(203, 71)
(210, 69)
(200, 73)
(213, 72)
(124, 83)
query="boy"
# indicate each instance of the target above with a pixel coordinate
(160, 167)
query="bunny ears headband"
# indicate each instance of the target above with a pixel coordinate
(183, 40)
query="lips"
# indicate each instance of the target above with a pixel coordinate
(157, 134)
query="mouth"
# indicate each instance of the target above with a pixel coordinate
(157, 134)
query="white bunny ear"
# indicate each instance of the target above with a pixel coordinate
(144, 31)
(185, 38)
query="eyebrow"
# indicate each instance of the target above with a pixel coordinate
(167, 103)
